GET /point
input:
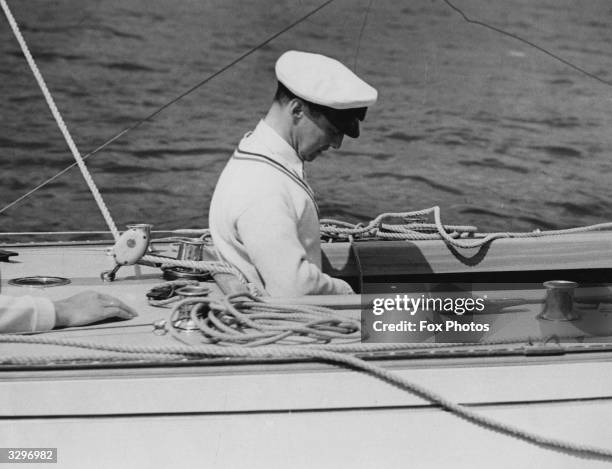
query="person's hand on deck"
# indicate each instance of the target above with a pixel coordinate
(88, 307)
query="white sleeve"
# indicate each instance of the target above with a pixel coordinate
(268, 231)
(26, 314)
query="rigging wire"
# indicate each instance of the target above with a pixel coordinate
(171, 102)
(529, 43)
(363, 25)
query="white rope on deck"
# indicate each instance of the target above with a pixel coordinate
(58, 118)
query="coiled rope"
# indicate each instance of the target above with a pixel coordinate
(415, 231)
(243, 319)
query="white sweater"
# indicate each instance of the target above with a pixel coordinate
(26, 314)
(264, 220)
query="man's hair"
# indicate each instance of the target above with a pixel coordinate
(283, 95)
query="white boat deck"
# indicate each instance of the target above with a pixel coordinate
(272, 414)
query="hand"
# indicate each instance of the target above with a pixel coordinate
(90, 306)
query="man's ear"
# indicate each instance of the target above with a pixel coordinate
(296, 108)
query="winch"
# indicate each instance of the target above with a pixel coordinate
(190, 249)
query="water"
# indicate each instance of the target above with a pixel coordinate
(495, 132)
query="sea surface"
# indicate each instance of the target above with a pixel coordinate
(497, 133)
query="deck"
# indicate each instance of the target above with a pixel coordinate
(279, 413)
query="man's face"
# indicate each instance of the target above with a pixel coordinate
(316, 135)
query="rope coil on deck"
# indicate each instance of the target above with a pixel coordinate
(243, 319)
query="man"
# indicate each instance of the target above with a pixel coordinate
(29, 314)
(263, 216)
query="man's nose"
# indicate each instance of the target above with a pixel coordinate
(336, 141)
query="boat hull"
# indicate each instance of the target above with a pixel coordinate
(274, 413)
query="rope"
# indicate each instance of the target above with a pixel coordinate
(234, 320)
(321, 353)
(427, 228)
(216, 350)
(375, 228)
(116, 357)
(58, 118)
(213, 267)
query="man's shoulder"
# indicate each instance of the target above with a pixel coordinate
(252, 143)
(249, 178)
(250, 168)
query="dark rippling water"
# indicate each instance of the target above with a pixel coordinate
(495, 132)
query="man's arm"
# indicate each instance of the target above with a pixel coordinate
(268, 230)
(29, 314)
(26, 314)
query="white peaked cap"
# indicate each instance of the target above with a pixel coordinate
(322, 80)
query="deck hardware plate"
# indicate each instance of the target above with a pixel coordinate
(39, 281)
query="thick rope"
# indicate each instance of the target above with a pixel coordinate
(376, 229)
(435, 350)
(89, 359)
(214, 267)
(203, 350)
(243, 319)
(211, 267)
(322, 354)
(60, 121)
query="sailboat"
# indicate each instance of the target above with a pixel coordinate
(160, 391)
